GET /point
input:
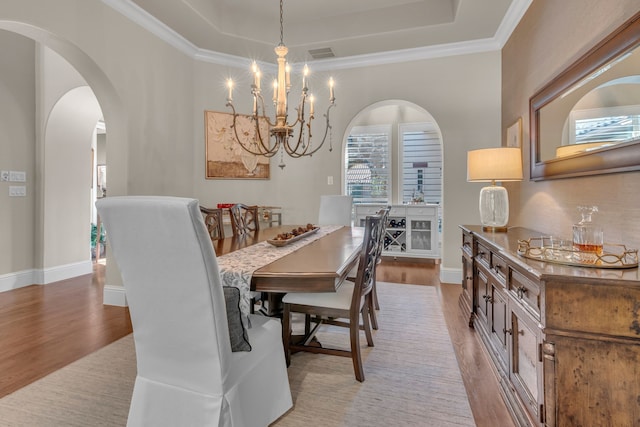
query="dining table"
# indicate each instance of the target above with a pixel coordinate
(317, 262)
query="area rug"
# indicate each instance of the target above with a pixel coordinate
(411, 378)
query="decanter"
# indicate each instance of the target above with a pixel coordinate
(587, 234)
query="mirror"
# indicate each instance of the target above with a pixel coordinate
(586, 121)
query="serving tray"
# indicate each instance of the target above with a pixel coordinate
(293, 239)
(543, 249)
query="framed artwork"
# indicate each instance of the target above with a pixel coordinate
(514, 134)
(225, 158)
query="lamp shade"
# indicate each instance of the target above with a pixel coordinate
(494, 164)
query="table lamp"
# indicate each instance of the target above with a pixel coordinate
(491, 165)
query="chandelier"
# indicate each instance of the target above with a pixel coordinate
(281, 135)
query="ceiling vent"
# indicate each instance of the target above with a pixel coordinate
(321, 53)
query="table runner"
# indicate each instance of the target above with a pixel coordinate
(236, 268)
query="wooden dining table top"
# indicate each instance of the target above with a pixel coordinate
(319, 266)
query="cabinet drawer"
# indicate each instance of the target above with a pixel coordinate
(483, 256)
(397, 211)
(499, 268)
(421, 210)
(525, 291)
(368, 210)
(594, 308)
(467, 243)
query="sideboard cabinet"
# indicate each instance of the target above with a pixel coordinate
(564, 341)
(411, 230)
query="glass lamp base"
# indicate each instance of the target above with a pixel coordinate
(494, 208)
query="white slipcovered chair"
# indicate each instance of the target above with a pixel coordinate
(187, 373)
(335, 210)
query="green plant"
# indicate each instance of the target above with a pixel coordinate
(94, 233)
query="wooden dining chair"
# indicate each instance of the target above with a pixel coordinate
(244, 219)
(344, 307)
(213, 221)
(375, 305)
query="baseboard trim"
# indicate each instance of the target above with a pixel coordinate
(114, 295)
(20, 279)
(450, 275)
(63, 272)
(17, 280)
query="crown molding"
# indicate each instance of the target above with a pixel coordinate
(150, 23)
(515, 12)
(510, 21)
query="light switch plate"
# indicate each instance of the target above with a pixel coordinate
(17, 176)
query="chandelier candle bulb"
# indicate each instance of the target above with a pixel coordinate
(305, 73)
(311, 99)
(256, 75)
(230, 86)
(287, 70)
(331, 84)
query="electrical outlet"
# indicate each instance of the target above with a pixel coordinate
(17, 191)
(4, 175)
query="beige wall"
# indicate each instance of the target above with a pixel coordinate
(551, 36)
(465, 105)
(153, 98)
(17, 145)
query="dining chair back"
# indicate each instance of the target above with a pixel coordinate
(213, 221)
(244, 219)
(335, 210)
(187, 373)
(350, 302)
(374, 303)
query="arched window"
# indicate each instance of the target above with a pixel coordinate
(393, 155)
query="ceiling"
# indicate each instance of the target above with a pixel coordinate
(349, 28)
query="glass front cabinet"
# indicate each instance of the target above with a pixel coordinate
(412, 231)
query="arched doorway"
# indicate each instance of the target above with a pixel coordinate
(393, 155)
(69, 141)
(50, 224)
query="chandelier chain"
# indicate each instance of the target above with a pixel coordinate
(281, 24)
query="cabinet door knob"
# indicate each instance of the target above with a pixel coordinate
(507, 331)
(521, 290)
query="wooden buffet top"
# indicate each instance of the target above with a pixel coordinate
(508, 243)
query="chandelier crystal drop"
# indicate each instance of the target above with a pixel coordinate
(281, 135)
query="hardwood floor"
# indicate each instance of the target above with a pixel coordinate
(43, 328)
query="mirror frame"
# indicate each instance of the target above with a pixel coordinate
(621, 158)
